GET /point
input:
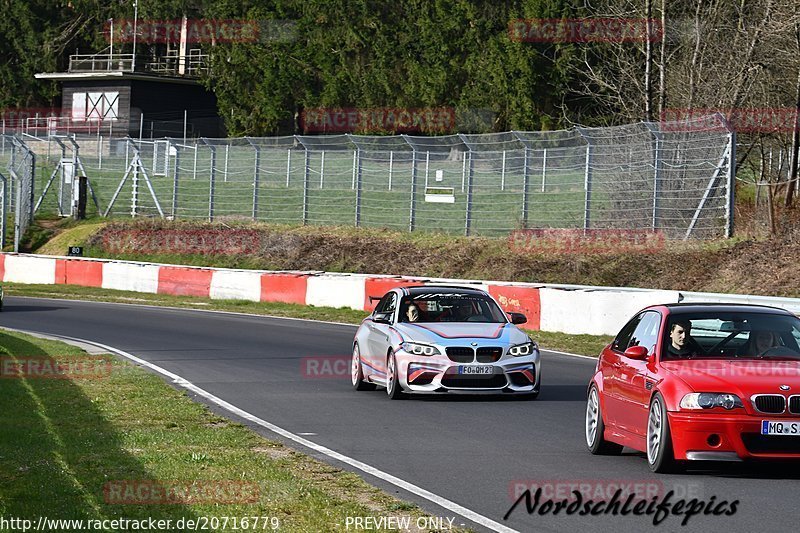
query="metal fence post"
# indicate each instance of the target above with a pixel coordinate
(657, 174)
(413, 214)
(503, 173)
(305, 187)
(359, 186)
(225, 171)
(256, 178)
(212, 179)
(175, 180)
(470, 174)
(587, 183)
(731, 184)
(544, 169)
(322, 170)
(391, 165)
(525, 187)
(288, 165)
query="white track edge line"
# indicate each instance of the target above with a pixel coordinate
(389, 478)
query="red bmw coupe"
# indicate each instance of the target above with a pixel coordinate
(699, 382)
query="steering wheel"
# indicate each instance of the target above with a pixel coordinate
(777, 351)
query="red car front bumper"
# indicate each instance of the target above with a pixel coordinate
(729, 437)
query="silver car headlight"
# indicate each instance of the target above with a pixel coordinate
(519, 350)
(709, 400)
(415, 348)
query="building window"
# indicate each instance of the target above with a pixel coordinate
(95, 106)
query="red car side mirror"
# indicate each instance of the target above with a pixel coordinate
(637, 352)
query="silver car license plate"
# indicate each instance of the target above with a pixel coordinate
(476, 370)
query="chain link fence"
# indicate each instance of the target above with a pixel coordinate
(17, 184)
(675, 178)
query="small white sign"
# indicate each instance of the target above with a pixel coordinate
(439, 175)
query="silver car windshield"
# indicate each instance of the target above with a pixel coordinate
(450, 307)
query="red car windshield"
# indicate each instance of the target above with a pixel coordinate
(450, 307)
(739, 335)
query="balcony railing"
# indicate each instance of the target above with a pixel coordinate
(189, 66)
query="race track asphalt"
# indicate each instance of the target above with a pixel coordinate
(473, 451)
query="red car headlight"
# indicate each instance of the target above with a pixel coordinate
(709, 400)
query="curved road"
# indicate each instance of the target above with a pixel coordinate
(471, 450)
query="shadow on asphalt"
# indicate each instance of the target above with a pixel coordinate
(13, 308)
(550, 393)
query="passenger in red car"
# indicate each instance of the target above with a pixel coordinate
(763, 341)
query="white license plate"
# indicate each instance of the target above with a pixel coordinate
(476, 370)
(779, 427)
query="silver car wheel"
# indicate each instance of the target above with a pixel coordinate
(654, 431)
(592, 414)
(355, 367)
(390, 372)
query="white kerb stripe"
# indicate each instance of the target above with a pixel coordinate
(26, 269)
(236, 285)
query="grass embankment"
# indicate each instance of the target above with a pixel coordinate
(64, 440)
(747, 266)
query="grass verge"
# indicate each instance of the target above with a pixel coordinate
(579, 344)
(69, 444)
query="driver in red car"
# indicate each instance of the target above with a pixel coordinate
(681, 342)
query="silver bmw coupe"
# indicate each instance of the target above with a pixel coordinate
(435, 339)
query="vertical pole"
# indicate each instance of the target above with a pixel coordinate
(175, 178)
(227, 150)
(730, 190)
(141, 127)
(288, 165)
(391, 165)
(353, 185)
(127, 159)
(322, 170)
(194, 167)
(413, 214)
(525, 187)
(587, 185)
(256, 178)
(427, 165)
(305, 189)
(544, 169)
(359, 185)
(503, 173)
(463, 170)
(100, 152)
(185, 120)
(468, 217)
(656, 182)
(212, 184)
(135, 185)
